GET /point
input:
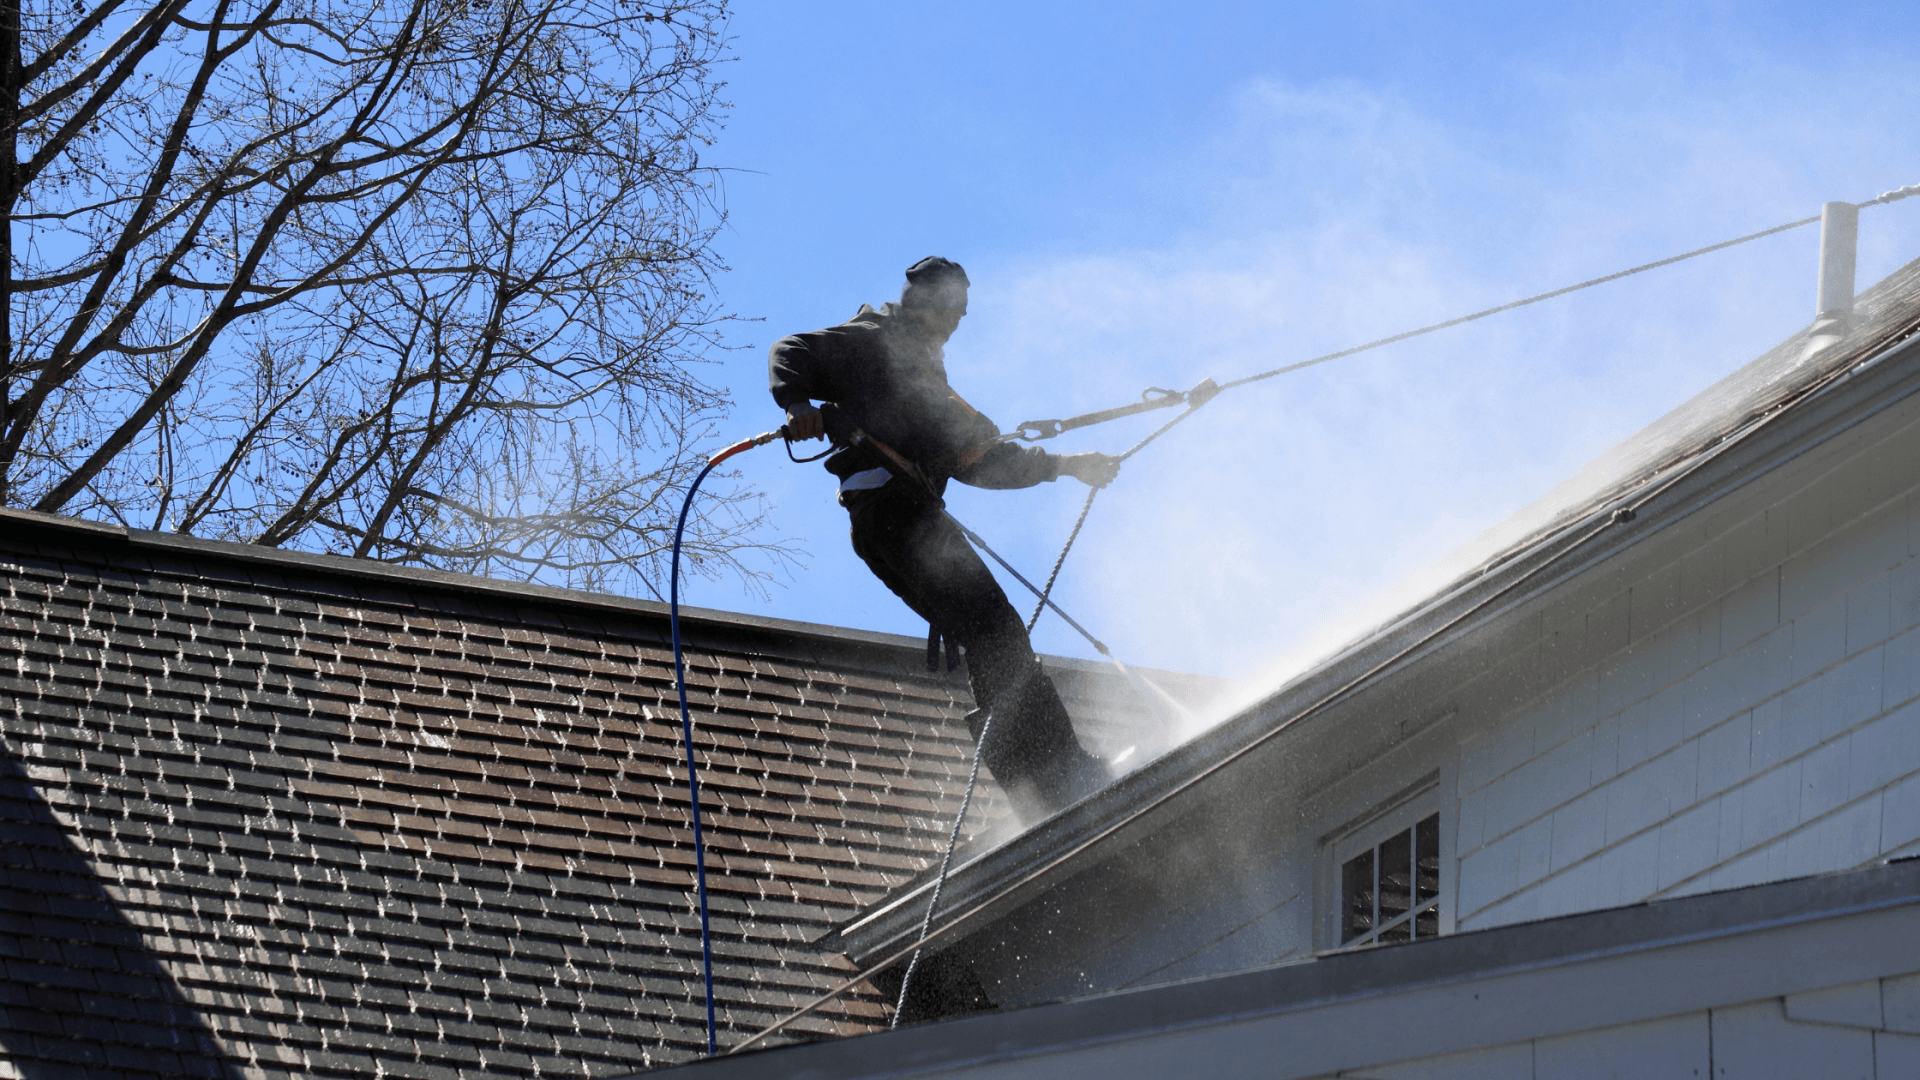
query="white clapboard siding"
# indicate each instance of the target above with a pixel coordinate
(1760, 723)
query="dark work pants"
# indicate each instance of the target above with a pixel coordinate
(918, 552)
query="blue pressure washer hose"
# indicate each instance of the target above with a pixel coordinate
(839, 434)
(686, 720)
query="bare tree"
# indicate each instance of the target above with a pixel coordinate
(414, 280)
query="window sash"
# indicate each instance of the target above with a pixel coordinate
(1405, 849)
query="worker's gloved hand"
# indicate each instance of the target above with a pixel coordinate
(805, 422)
(1096, 470)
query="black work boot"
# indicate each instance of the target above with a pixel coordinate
(1031, 749)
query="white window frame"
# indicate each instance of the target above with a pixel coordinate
(1398, 814)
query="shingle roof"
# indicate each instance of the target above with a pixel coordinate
(299, 815)
(1882, 316)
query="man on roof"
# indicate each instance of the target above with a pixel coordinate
(885, 373)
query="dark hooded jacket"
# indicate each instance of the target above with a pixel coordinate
(893, 383)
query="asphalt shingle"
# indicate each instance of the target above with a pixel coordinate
(293, 821)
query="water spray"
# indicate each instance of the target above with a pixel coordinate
(1155, 398)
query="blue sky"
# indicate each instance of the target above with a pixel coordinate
(1148, 194)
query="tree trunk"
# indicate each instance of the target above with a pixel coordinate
(9, 196)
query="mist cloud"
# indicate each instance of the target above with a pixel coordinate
(1291, 515)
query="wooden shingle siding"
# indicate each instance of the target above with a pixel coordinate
(266, 823)
(1747, 713)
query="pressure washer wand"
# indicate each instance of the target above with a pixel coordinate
(841, 429)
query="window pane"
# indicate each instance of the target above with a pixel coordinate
(1426, 843)
(1356, 896)
(1396, 880)
(1391, 892)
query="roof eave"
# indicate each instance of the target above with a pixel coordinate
(1330, 1012)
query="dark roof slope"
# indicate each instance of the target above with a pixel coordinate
(309, 815)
